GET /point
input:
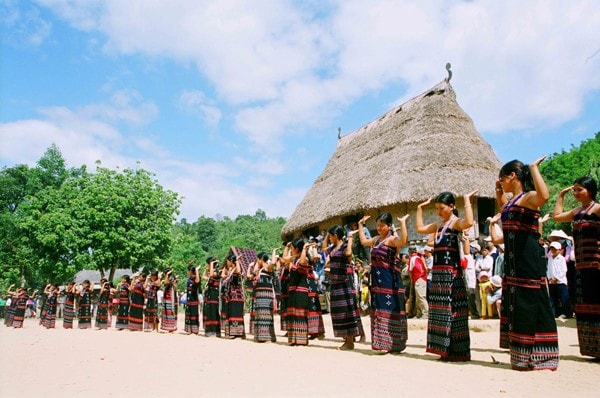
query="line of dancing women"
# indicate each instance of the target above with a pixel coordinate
(287, 283)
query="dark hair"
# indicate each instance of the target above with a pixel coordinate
(385, 218)
(103, 280)
(448, 199)
(589, 184)
(154, 273)
(210, 259)
(337, 231)
(298, 244)
(232, 257)
(127, 278)
(521, 171)
(192, 269)
(87, 281)
(263, 256)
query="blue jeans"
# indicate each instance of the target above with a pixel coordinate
(559, 299)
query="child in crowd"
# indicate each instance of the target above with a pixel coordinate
(484, 287)
(365, 298)
(494, 293)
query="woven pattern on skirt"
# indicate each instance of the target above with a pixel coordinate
(168, 320)
(234, 308)
(85, 310)
(48, 314)
(136, 308)
(192, 319)
(103, 312)
(69, 310)
(123, 310)
(389, 328)
(151, 310)
(527, 323)
(586, 232)
(448, 325)
(264, 328)
(345, 315)
(210, 314)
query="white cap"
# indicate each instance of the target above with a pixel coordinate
(556, 245)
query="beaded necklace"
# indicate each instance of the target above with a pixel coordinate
(440, 235)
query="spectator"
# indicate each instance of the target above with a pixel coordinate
(494, 294)
(484, 287)
(418, 278)
(471, 280)
(557, 279)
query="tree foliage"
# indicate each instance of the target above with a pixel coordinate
(56, 221)
(561, 169)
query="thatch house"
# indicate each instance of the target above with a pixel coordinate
(415, 151)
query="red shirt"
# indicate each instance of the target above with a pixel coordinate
(416, 268)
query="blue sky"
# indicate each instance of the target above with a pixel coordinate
(235, 105)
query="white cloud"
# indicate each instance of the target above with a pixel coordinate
(516, 64)
(22, 26)
(196, 102)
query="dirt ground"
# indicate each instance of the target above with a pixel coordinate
(110, 363)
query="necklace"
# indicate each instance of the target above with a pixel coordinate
(440, 235)
(589, 207)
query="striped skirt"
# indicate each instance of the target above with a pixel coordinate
(211, 318)
(345, 315)
(19, 315)
(587, 310)
(448, 325)
(316, 327)
(103, 319)
(150, 314)
(10, 313)
(262, 324)
(168, 316)
(136, 316)
(122, 315)
(84, 316)
(68, 314)
(234, 312)
(527, 325)
(48, 315)
(192, 319)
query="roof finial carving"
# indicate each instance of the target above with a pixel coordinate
(448, 66)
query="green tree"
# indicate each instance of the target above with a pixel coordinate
(561, 169)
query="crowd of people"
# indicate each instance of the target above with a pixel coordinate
(515, 277)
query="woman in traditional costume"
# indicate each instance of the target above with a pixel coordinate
(389, 330)
(345, 315)
(448, 322)
(69, 310)
(192, 318)
(123, 311)
(586, 234)
(211, 316)
(84, 306)
(103, 318)
(264, 299)
(527, 325)
(48, 314)
(151, 312)
(136, 306)
(233, 311)
(169, 304)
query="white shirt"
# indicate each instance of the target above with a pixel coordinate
(557, 269)
(470, 272)
(486, 264)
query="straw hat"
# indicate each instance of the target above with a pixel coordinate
(557, 234)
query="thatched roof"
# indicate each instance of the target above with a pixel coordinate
(415, 151)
